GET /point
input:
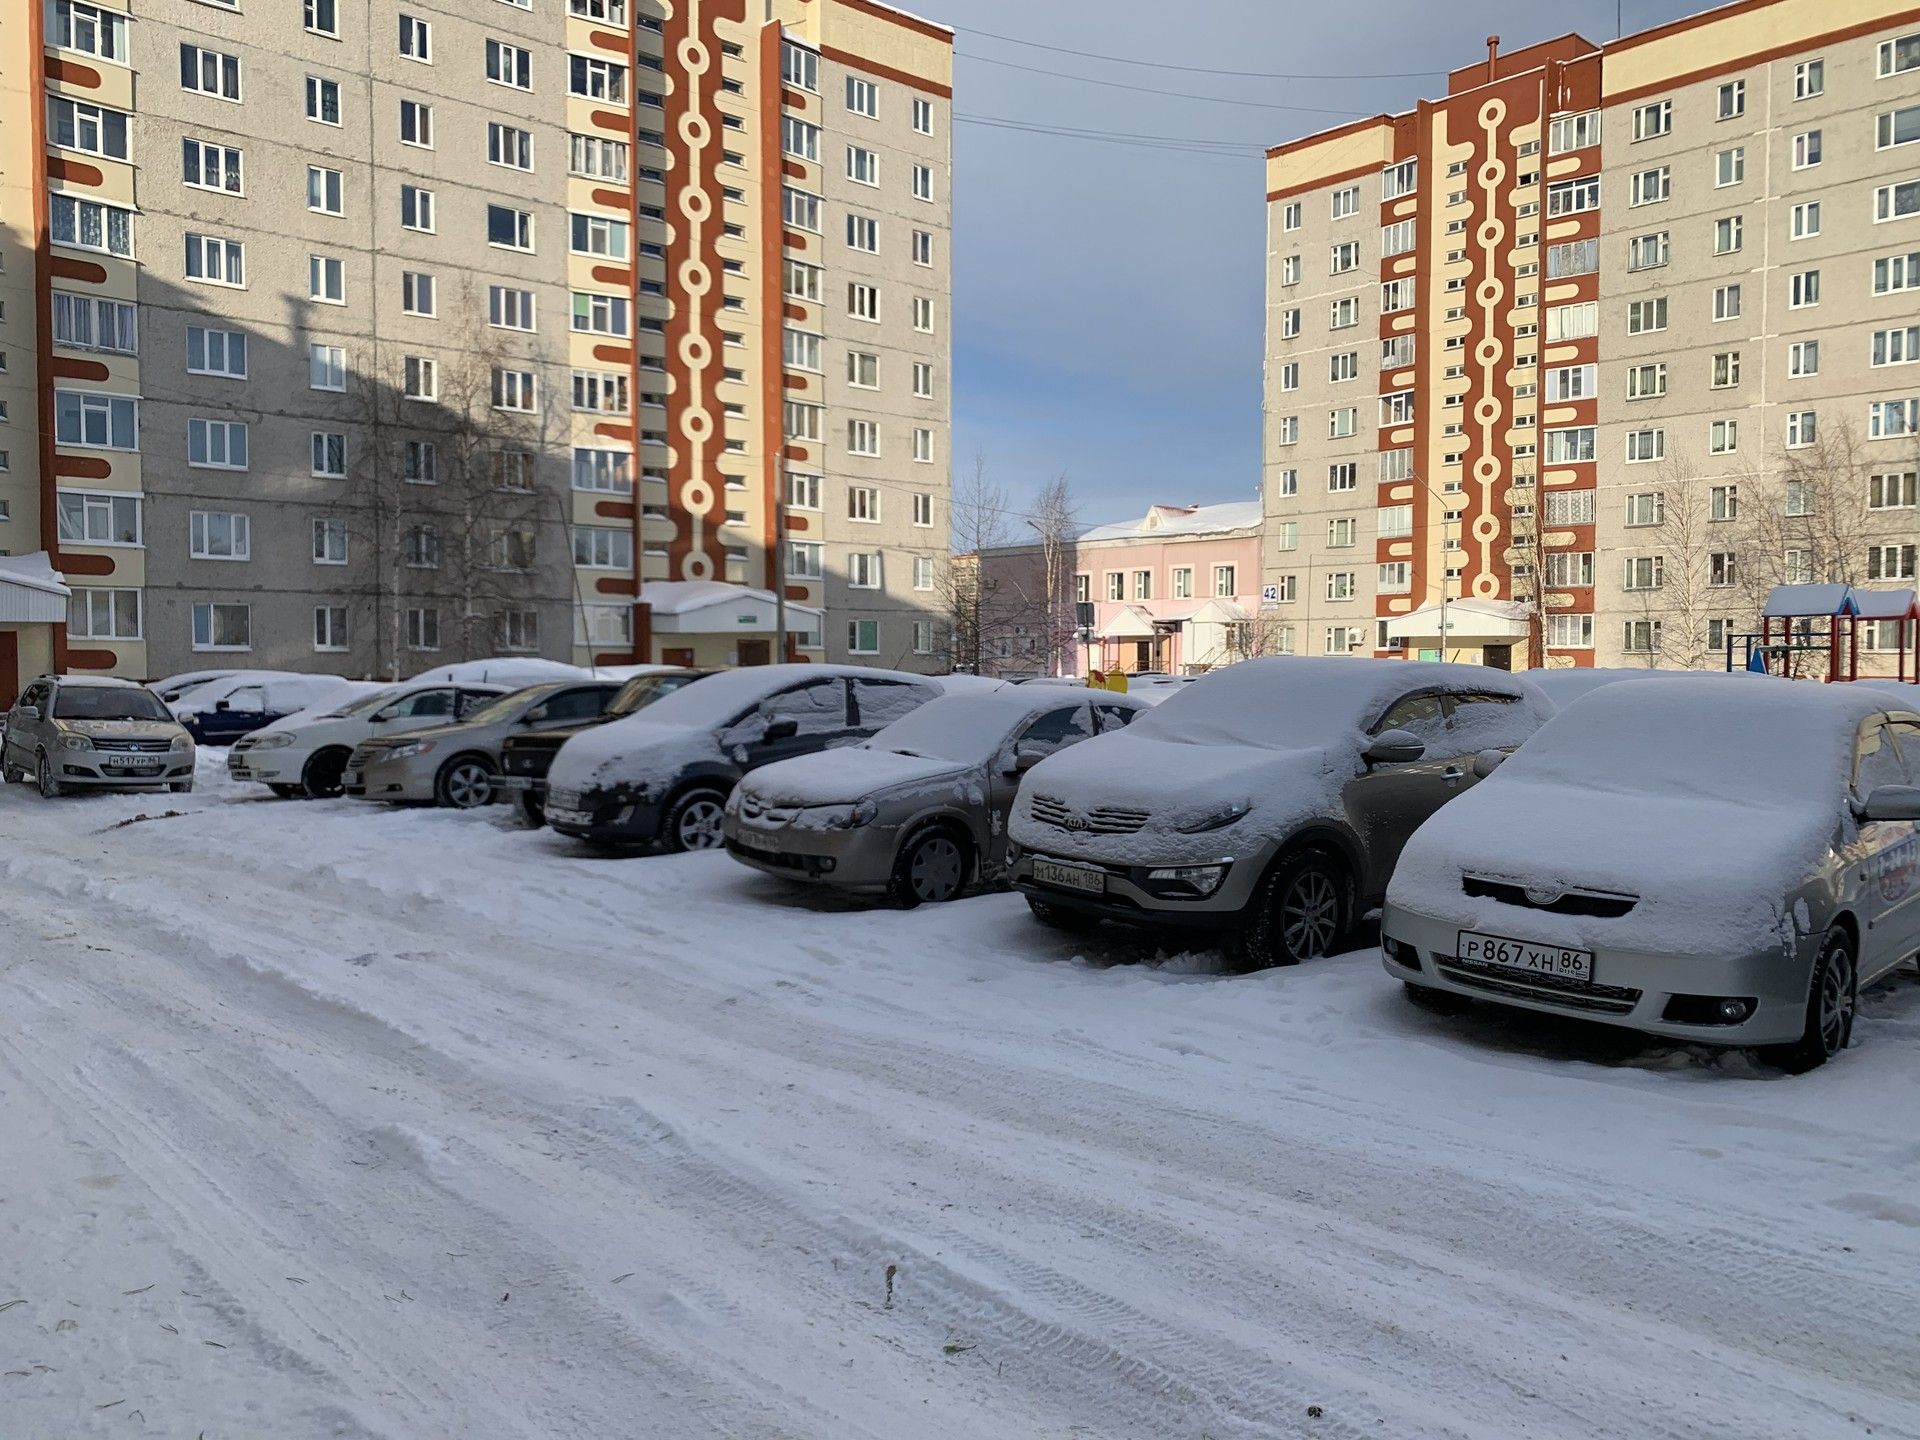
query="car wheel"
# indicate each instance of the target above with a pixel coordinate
(1058, 917)
(464, 783)
(695, 822)
(533, 809)
(287, 792)
(320, 776)
(1437, 1002)
(1830, 1002)
(931, 868)
(12, 773)
(50, 788)
(1302, 911)
(182, 787)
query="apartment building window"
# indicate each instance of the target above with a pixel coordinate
(803, 422)
(802, 209)
(1650, 187)
(416, 124)
(1400, 179)
(1800, 495)
(922, 116)
(1726, 370)
(514, 390)
(1890, 562)
(88, 29)
(420, 378)
(323, 100)
(863, 570)
(803, 282)
(1646, 508)
(1570, 632)
(416, 39)
(799, 66)
(509, 146)
(1345, 256)
(805, 560)
(1290, 216)
(1806, 150)
(1645, 572)
(1396, 295)
(1182, 582)
(1809, 79)
(1732, 100)
(99, 518)
(1891, 419)
(863, 504)
(1723, 437)
(416, 208)
(89, 323)
(1728, 234)
(863, 166)
(599, 547)
(1572, 382)
(323, 190)
(863, 233)
(1576, 257)
(1567, 507)
(1896, 202)
(594, 79)
(326, 367)
(216, 444)
(1572, 197)
(517, 630)
(1805, 220)
(208, 72)
(801, 140)
(509, 309)
(1570, 446)
(1343, 422)
(1893, 490)
(1570, 569)
(1573, 322)
(1803, 429)
(863, 302)
(1726, 302)
(1289, 430)
(323, 17)
(599, 235)
(104, 615)
(597, 158)
(92, 129)
(1897, 127)
(1573, 132)
(222, 627)
(1894, 273)
(1342, 585)
(1897, 57)
(863, 97)
(1342, 532)
(508, 228)
(1647, 316)
(93, 420)
(1343, 476)
(863, 437)
(330, 628)
(509, 64)
(416, 293)
(1143, 584)
(1646, 445)
(1896, 347)
(326, 279)
(423, 628)
(1651, 121)
(1803, 359)
(1396, 578)
(922, 248)
(606, 472)
(1641, 637)
(90, 225)
(923, 446)
(329, 459)
(1346, 202)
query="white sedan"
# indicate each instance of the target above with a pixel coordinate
(304, 754)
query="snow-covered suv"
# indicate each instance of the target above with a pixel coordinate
(74, 731)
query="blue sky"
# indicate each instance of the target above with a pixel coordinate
(1108, 297)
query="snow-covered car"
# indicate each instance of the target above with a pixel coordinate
(171, 687)
(515, 672)
(1266, 802)
(307, 753)
(663, 776)
(458, 765)
(919, 811)
(72, 731)
(526, 758)
(1565, 686)
(1711, 862)
(221, 711)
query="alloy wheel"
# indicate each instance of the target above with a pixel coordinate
(43, 777)
(1836, 1000)
(699, 827)
(935, 869)
(469, 785)
(1310, 916)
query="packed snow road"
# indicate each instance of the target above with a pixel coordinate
(323, 1120)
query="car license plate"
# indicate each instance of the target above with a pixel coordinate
(349, 777)
(1070, 877)
(1554, 961)
(123, 762)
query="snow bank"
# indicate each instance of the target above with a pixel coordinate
(1710, 801)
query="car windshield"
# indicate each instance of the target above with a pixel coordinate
(108, 702)
(508, 706)
(643, 690)
(965, 729)
(366, 704)
(1282, 703)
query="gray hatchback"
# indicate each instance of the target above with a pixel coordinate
(920, 810)
(73, 731)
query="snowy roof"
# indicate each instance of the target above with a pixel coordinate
(32, 592)
(1166, 521)
(35, 571)
(1883, 604)
(1795, 601)
(511, 670)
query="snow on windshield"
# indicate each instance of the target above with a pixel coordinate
(107, 702)
(966, 729)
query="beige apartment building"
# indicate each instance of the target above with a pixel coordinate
(1582, 358)
(361, 338)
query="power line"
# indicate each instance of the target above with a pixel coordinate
(1170, 94)
(1233, 149)
(1199, 69)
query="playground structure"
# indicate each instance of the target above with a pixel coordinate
(1802, 621)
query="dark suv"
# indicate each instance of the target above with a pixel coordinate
(526, 758)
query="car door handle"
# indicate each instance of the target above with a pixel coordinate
(1453, 774)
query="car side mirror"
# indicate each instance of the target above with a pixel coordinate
(1488, 761)
(29, 712)
(1025, 758)
(1890, 802)
(223, 704)
(534, 716)
(1395, 747)
(780, 730)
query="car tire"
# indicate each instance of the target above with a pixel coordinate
(12, 773)
(465, 783)
(1436, 1002)
(320, 776)
(1831, 993)
(533, 809)
(1059, 917)
(693, 822)
(1301, 911)
(50, 788)
(183, 787)
(931, 868)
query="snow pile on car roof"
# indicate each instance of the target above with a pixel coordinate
(513, 671)
(284, 686)
(1707, 802)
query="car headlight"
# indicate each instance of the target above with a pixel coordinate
(843, 817)
(76, 742)
(183, 741)
(1217, 819)
(408, 751)
(271, 742)
(1201, 879)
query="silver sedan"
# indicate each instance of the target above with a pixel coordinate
(918, 812)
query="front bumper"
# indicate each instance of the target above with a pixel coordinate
(857, 859)
(1129, 897)
(1632, 989)
(602, 816)
(267, 767)
(91, 767)
(397, 780)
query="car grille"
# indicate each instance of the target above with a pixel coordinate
(1101, 820)
(754, 808)
(1572, 994)
(137, 747)
(1571, 902)
(363, 756)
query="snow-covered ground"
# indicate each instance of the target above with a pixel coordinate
(325, 1120)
